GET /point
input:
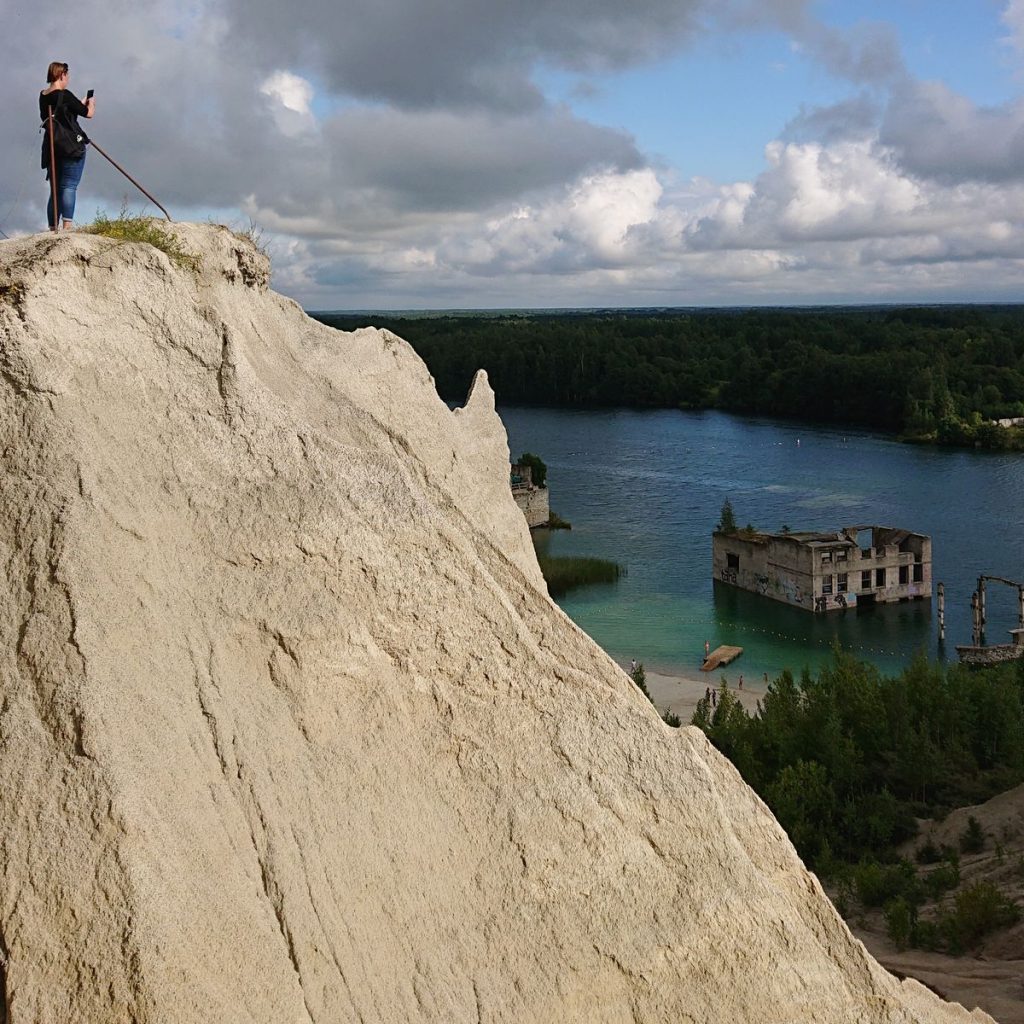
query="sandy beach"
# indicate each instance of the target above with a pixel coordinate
(680, 693)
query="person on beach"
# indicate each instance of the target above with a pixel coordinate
(707, 650)
(741, 681)
(67, 109)
(632, 667)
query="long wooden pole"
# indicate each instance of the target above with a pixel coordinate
(53, 170)
(110, 159)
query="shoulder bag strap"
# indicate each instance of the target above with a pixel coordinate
(54, 108)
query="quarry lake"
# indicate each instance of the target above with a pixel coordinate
(646, 489)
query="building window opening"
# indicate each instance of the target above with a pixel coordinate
(918, 572)
(841, 583)
(865, 580)
(826, 556)
(879, 577)
(826, 584)
(732, 561)
(904, 575)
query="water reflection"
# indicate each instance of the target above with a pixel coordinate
(776, 634)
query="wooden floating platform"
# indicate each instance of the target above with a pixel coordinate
(720, 656)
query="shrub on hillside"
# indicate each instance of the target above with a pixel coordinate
(943, 878)
(876, 884)
(639, 676)
(979, 909)
(972, 839)
(900, 918)
(928, 853)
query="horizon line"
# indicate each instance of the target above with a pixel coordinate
(469, 310)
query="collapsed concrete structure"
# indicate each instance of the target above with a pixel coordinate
(821, 572)
(290, 730)
(533, 501)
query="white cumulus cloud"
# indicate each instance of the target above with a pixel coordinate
(406, 153)
(291, 97)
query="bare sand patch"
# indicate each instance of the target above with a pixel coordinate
(679, 694)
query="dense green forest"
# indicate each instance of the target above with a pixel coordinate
(935, 374)
(847, 759)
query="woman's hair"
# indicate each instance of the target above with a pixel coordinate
(55, 70)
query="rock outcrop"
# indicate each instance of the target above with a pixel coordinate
(289, 729)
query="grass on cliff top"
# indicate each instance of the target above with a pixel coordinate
(127, 227)
(255, 235)
(564, 574)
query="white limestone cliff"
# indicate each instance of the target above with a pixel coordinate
(289, 729)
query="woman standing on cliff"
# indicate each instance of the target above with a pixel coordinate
(67, 109)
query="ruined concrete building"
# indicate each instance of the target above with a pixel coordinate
(821, 572)
(533, 500)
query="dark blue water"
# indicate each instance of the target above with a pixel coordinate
(646, 489)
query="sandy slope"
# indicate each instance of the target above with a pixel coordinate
(289, 730)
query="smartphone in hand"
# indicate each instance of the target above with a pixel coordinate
(88, 95)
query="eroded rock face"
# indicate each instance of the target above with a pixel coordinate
(289, 729)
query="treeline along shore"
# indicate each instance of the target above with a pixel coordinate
(938, 374)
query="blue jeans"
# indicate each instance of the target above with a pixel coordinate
(69, 174)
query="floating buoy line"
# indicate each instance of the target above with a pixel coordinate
(822, 642)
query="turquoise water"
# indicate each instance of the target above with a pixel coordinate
(646, 488)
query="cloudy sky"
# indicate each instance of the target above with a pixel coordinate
(492, 153)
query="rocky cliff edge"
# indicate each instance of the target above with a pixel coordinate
(289, 729)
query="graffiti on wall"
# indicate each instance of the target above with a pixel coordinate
(821, 602)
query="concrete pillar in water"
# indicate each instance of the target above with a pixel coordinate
(981, 607)
(1020, 613)
(942, 611)
(975, 620)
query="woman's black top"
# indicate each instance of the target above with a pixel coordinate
(67, 110)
